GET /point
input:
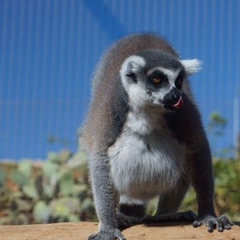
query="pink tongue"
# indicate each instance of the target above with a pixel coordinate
(179, 104)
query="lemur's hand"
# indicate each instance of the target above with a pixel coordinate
(107, 235)
(211, 222)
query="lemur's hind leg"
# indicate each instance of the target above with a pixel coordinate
(132, 207)
(169, 204)
(187, 216)
(131, 212)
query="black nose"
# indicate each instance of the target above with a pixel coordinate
(175, 97)
(172, 97)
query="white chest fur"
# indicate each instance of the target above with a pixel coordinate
(145, 162)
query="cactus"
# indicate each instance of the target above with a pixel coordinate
(52, 157)
(87, 204)
(2, 179)
(25, 167)
(41, 212)
(21, 175)
(30, 190)
(80, 190)
(66, 182)
(56, 192)
(19, 178)
(23, 205)
(63, 208)
(49, 168)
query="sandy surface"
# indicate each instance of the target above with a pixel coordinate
(81, 231)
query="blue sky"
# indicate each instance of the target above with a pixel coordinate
(49, 49)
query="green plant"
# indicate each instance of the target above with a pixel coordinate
(54, 192)
(227, 189)
(58, 190)
(217, 124)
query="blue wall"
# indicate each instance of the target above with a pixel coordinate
(48, 50)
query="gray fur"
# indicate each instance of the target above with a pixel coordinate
(139, 145)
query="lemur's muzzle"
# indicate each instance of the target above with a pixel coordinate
(173, 99)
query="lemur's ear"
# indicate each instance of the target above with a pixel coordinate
(191, 65)
(131, 66)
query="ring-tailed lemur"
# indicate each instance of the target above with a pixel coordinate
(144, 137)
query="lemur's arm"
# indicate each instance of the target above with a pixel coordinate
(103, 192)
(201, 175)
(203, 183)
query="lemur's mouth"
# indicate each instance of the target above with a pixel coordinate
(179, 104)
(173, 107)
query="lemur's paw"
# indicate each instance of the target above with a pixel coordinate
(220, 223)
(107, 235)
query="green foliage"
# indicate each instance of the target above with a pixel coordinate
(227, 180)
(29, 190)
(53, 192)
(25, 167)
(41, 211)
(58, 190)
(227, 189)
(217, 124)
(19, 178)
(2, 178)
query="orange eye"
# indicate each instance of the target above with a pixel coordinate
(157, 80)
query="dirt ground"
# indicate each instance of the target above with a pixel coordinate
(81, 231)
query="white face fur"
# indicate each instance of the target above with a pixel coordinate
(150, 86)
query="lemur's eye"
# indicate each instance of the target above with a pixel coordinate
(157, 80)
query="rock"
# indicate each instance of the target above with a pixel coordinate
(81, 231)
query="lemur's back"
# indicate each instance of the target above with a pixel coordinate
(106, 82)
(117, 53)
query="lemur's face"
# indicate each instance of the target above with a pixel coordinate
(163, 86)
(155, 78)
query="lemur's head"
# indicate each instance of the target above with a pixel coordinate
(156, 78)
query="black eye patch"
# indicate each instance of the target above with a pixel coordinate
(156, 80)
(179, 79)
